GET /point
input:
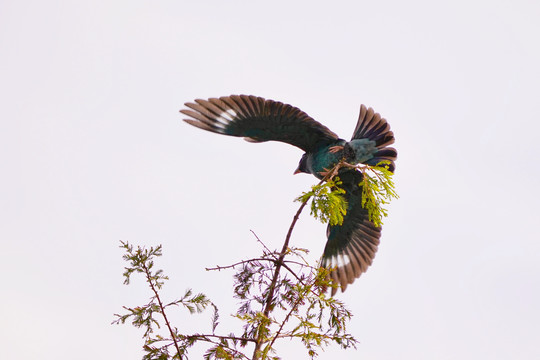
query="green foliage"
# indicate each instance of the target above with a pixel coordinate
(330, 206)
(300, 309)
(280, 295)
(327, 201)
(378, 189)
(152, 316)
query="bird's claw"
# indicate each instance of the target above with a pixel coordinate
(324, 173)
(335, 149)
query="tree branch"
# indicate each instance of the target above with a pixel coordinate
(206, 337)
(330, 174)
(218, 267)
(173, 335)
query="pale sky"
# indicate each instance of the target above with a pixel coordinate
(93, 151)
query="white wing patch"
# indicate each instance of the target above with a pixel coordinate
(340, 260)
(220, 124)
(228, 115)
(345, 260)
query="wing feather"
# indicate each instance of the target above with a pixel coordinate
(356, 240)
(258, 120)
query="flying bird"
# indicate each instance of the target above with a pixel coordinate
(351, 246)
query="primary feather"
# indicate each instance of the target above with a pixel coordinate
(258, 120)
(351, 246)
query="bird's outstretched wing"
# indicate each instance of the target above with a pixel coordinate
(351, 247)
(258, 120)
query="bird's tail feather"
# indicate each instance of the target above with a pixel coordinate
(387, 155)
(372, 126)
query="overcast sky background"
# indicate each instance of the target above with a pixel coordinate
(93, 151)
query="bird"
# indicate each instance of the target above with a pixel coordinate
(351, 245)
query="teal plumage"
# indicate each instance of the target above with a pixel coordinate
(350, 247)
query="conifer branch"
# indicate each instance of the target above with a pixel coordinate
(260, 281)
(272, 287)
(162, 309)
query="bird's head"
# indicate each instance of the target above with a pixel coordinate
(303, 165)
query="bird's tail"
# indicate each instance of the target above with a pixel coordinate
(372, 126)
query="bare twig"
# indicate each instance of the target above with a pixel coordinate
(264, 245)
(218, 267)
(206, 337)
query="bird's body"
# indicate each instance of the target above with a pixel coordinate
(324, 159)
(351, 246)
(362, 150)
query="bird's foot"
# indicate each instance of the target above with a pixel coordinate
(329, 174)
(325, 172)
(335, 149)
